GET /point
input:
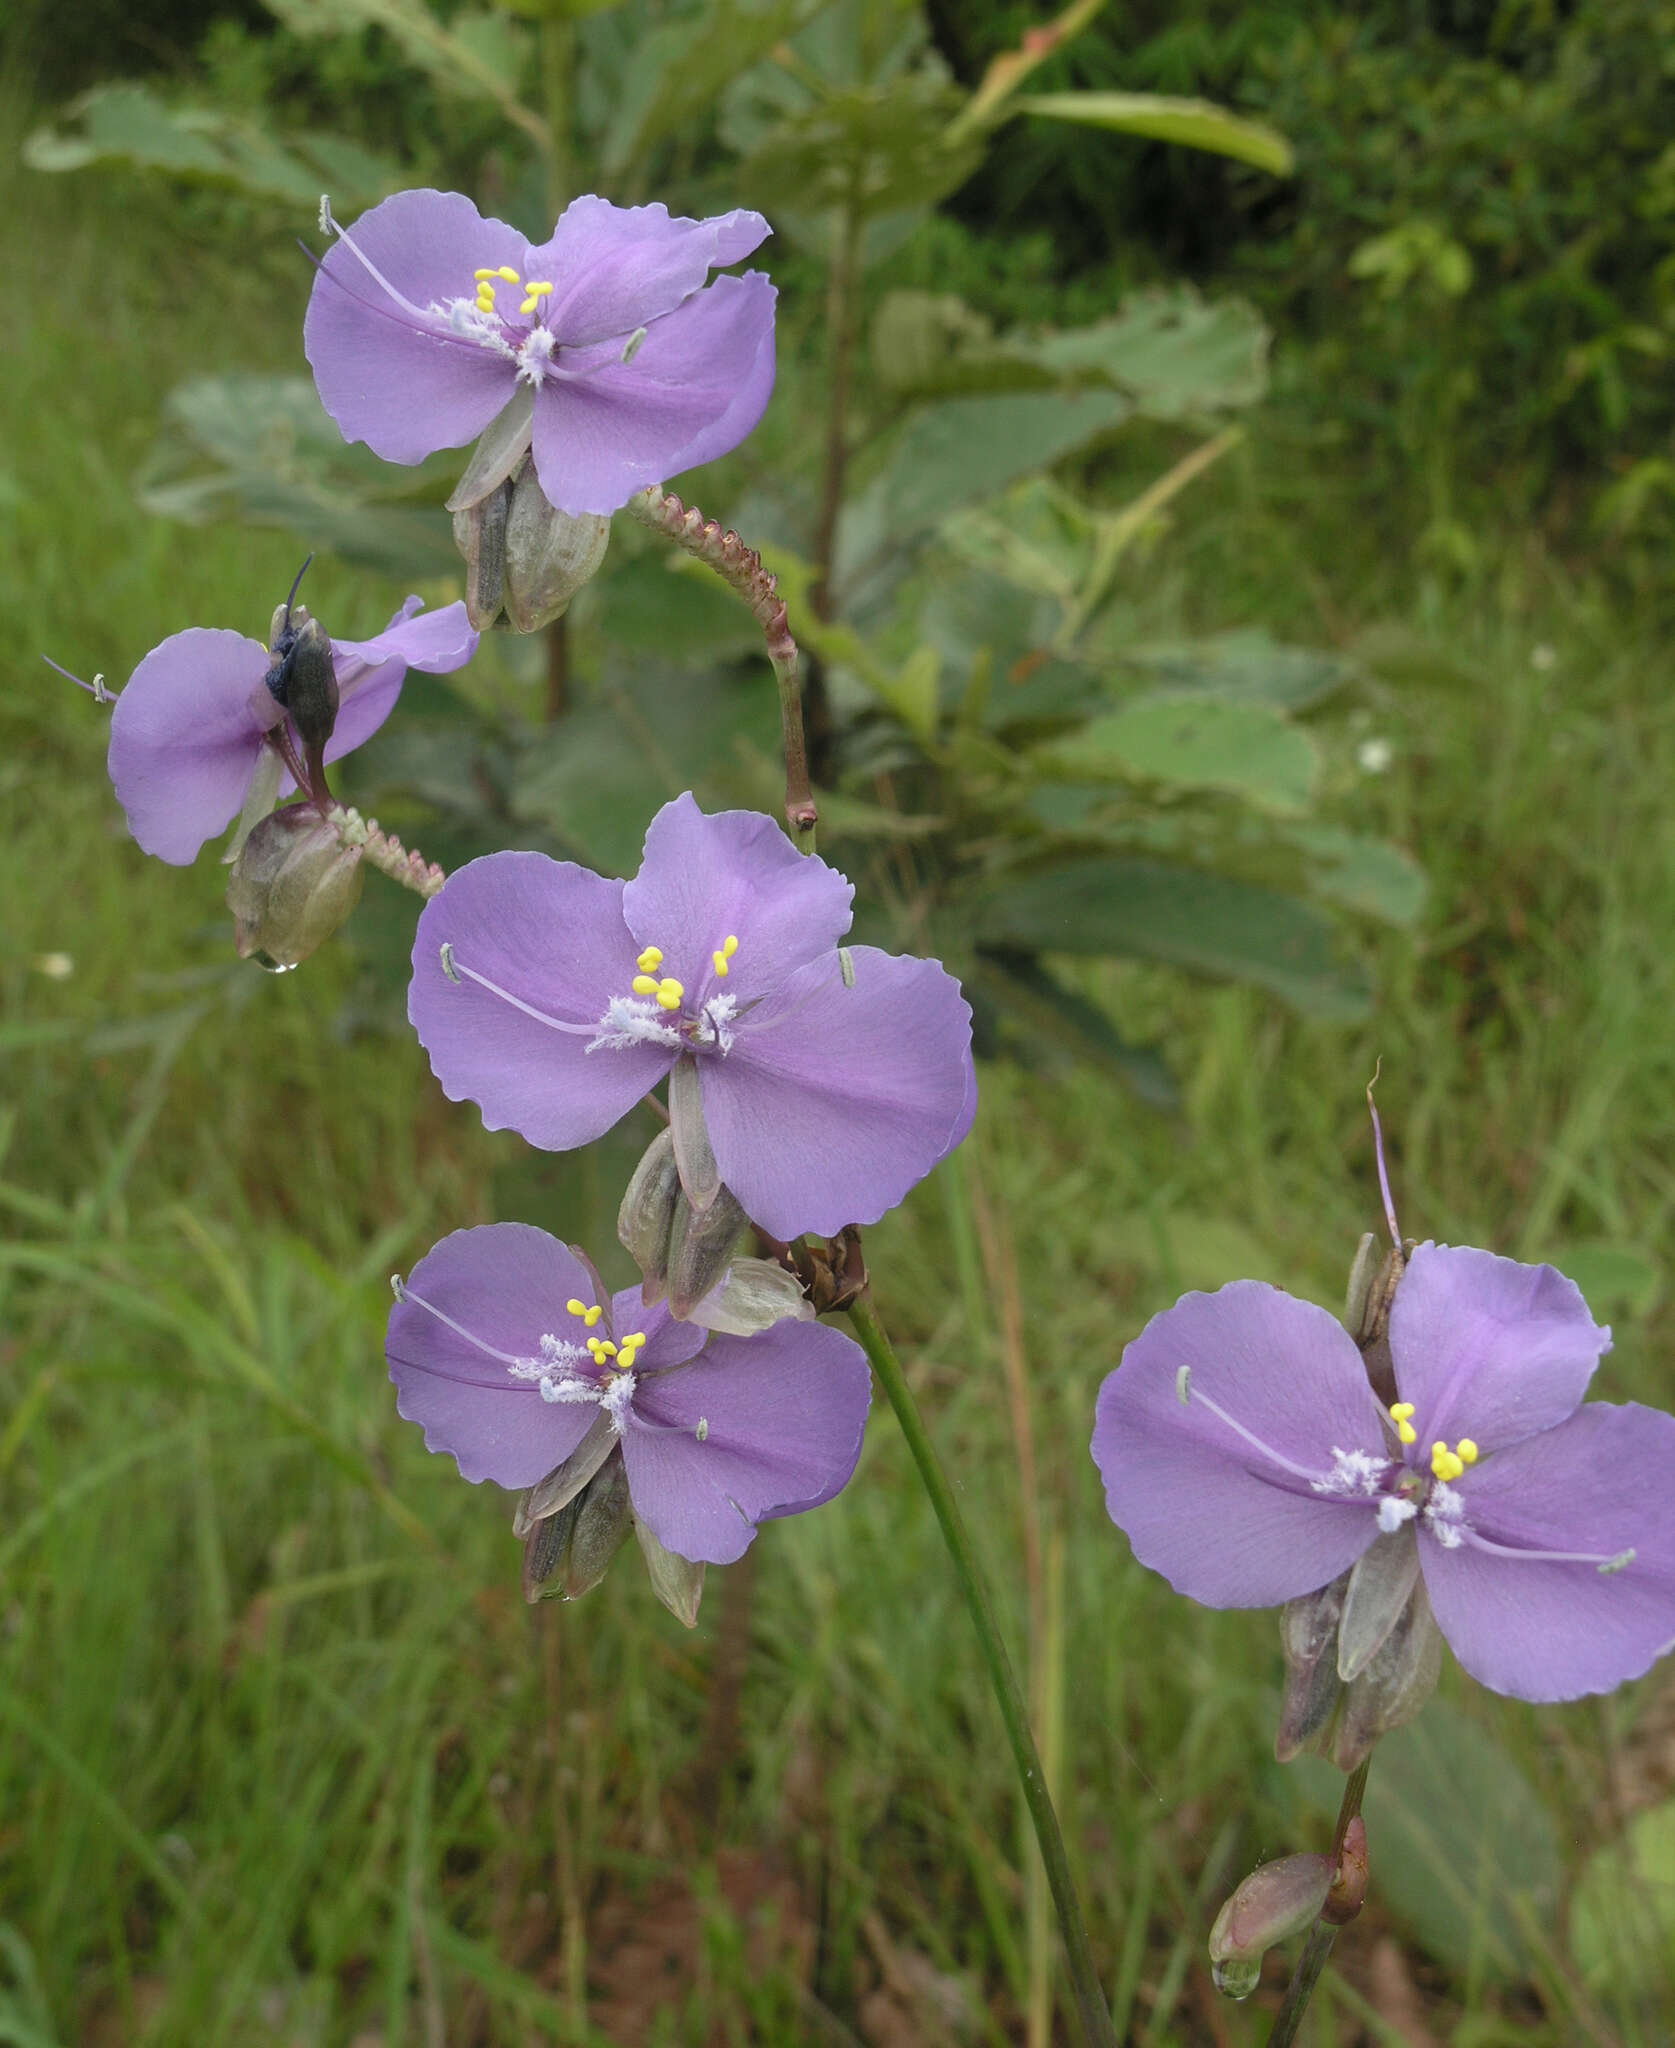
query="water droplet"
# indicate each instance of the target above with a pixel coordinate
(268, 965)
(1237, 1976)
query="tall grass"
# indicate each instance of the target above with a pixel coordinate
(283, 1759)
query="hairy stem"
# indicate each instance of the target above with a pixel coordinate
(1091, 2003)
(1323, 1933)
(386, 853)
(740, 568)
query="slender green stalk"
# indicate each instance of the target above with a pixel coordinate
(1095, 2013)
(1323, 1933)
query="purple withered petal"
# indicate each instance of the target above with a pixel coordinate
(616, 268)
(1229, 1514)
(184, 740)
(551, 939)
(506, 1284)
(755, 1427)
(394, 375)
(835, 1099)
(732, 874)
(696, 385)
(1489, 1349)
(370, 673)
(1593, 1488)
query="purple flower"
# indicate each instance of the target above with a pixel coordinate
(426, 320)
(1248, 1460)
(190, 730)
(508, 1353)
(818, 1086)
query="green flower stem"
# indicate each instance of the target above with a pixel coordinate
(1323, 1933)
(1091, 2002)
(740, 568)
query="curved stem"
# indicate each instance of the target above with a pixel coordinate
(1323, 1933)
(740, 568)
(1091, 2002)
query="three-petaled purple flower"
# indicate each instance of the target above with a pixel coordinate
(1249, 1461)
(506, 1350)
(427, 321)
(190, 730)
(817, 1084)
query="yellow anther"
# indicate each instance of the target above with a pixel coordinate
(575, 1307)
(724, 952)
(650, 960)
(669, 993)
(1466, 1451)
(1444, 1463)
(533, 295)
(1399, 1413)
(479, 275)
(645, 984)
(505, 271)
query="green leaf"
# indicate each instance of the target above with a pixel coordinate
(1369, 875)
(1199, 124)
(1172, 351)
(1622, 1913)
(1466, 1851)
(965, 449)
(1183, 916)
(1046, 1014)
(1245, 662)
(1196, 742)
(263, 449)
(131, 124)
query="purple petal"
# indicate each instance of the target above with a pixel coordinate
(699, 382)
(668, 1342)
(834, 1100)
(615, 268)
(1600, 1484)
(1227, 1521)
(705, 879)
(1488, 1349)
(549, 935)
(184, 739)
(370, 673)
(507, 1284)
(782, 1416)
(392, 375)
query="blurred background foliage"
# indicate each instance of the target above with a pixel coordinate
(1246, 569)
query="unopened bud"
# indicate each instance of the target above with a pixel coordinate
(1275, 1902)
(1349, 1888)
(1309, 1639)
(480, 536)
(293, 884)
(1393, 1687)
(754, 1294)
(303, 677)
(700, 1249)
(647, 1214)
(549, 554)
(566, 1554)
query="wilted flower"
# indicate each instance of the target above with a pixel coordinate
(190, 733)
(817, 1085)
(1249, 1461)
(516, 1363)
(427, 322)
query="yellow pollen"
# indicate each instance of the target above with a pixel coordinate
(1399, 1413)
(645, 984)
(1447, 1464)
(533, 295)
(505, 271)
(1466, 1451)
(579, 1308)
(650, 960)
(669, 993)
(728, 947)
(479, 275)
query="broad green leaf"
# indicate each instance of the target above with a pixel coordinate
(1172, 351)
(1186, 917)
(130, 123)
(1369, 875)
(965, 449)
(1038, 537)
(1244, 662)
(1196, 742)
(1466, 1852)
(263, 449)
(1199, 124)
(1622, 1913)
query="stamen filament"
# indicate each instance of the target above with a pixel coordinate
(1267, 1451)
(405, 1293)
(1604, 1564)
(552, 1023)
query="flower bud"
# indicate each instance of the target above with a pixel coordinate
(1393, 1687)
(1275, 1902)
(303, 677)
(566, 1554)
(549, 554)
(293, 884)
(1343, 1719)
(701, 1248)
(754, 1294)
(677, 1581)
(480, 536)
(647, 1214)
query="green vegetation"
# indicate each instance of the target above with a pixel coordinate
(284, 1760)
